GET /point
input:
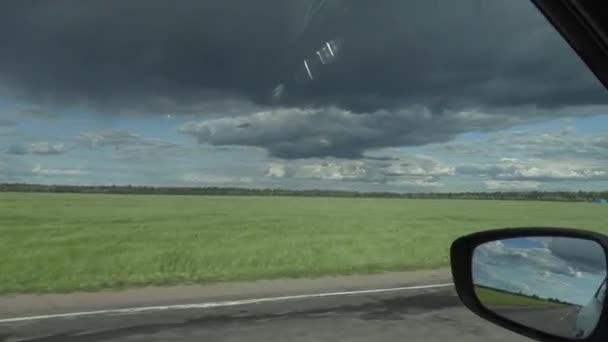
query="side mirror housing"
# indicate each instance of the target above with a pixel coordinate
(544, 283)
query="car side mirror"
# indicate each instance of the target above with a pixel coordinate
(548, 284)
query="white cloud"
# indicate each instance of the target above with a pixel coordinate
(41, 171)
(535, 169)
(40, 148)
(560, 143)
(214, 179)
(319, 169)
(390, 170)
(276, 170)
(119, 138)
(345, 170)
(511, 185)
(552, 170)
(507, 159)
(420, 166)
(542, 259)
(45, 148)
(422, 182)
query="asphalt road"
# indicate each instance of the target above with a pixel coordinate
(434, 314)
(558, 321)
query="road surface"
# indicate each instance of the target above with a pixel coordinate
(409, 313)
(558, 321)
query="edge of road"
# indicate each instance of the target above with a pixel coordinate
(24, 305)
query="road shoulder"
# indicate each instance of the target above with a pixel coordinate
(48, 304)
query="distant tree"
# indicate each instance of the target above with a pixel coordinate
(579, 196)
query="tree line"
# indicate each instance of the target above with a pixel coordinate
(564, 196)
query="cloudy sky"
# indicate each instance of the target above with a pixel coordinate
(406, 96)
(564, 268)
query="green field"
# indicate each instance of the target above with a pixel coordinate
(493, 298)
(64, 242)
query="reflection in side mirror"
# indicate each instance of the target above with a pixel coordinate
(552, 284)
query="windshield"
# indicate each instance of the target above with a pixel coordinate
(320, 146)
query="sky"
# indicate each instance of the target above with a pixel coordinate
(564, 268)
(406, 96)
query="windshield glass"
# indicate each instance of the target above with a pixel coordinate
(297, 139)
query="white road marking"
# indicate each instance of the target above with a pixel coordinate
(218, 304)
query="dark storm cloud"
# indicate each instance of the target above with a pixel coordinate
(441, 54)
(586, 255)
(116, 54)
(304, 133)
(440, 57)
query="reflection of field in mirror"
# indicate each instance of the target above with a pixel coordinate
(496, 298)
(531, 311)
(558, 270)
(547, 283)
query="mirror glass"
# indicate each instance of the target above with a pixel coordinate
(553, 284)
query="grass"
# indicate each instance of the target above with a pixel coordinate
(66, 242)
(498, 298)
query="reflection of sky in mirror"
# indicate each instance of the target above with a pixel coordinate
(568, 269)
